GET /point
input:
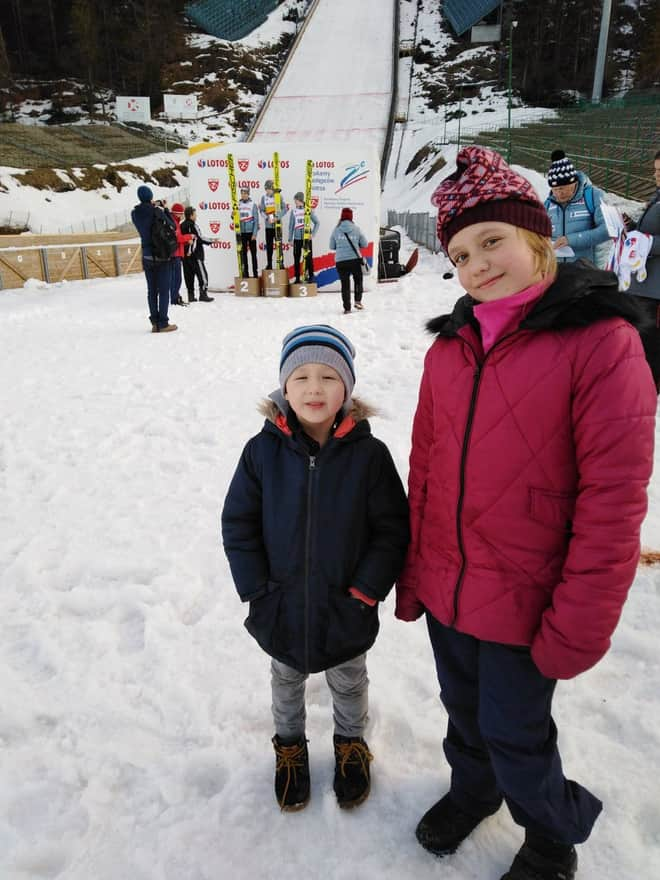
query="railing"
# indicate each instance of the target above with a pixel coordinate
(53, 259)
(389, 133)
(419, 227)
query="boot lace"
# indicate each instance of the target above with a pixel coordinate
(354, 752)
(289, 759)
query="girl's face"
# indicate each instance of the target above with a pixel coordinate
(493, 260)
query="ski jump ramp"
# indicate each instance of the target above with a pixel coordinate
(337, 84)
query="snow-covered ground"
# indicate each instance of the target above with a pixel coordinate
(135, 719)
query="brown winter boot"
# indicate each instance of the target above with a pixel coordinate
(352, 776)
(291, 773)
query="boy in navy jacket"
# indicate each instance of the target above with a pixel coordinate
(315, 527)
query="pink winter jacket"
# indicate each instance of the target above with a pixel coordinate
(528, 474)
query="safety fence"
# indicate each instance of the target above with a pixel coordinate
(419, 227)
(66, 258)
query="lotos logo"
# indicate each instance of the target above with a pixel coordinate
(263, 163)
(214, 206)
(285, 246)
(314, 201)
(221, 245)
(214, 226)
(354, 174)
(243, 164)
(214, 183)
(248, 184)
(324, 164)
(211, 163)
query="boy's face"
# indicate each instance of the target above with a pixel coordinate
(315, 393)
(493, 260)
(245, 194)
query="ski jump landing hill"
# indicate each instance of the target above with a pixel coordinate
(333, 102)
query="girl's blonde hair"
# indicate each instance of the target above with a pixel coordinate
(545, 260)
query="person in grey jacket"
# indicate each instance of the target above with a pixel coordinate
(647, 292)
(346, 240)
(574, 210)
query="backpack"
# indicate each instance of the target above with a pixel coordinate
(163, 236)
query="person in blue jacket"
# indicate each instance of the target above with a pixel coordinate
(315, 528)
(296, 233)
(158, 273)
(574, 210)
(346, 240)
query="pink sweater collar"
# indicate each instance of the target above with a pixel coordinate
(501, 316)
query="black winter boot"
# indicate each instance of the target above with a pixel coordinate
(444, 827)
(542, 859)
(291, 773)
(205, 298)
(352, 778)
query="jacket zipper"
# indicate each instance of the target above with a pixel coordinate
(308, 535)
(466, 439)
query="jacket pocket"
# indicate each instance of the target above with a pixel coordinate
(266, 622)
(352, 625)
(553, 509)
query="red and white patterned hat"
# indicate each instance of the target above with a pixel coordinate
(482, 188)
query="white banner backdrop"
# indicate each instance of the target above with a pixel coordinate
(343, 176)
(131, 109)
(180, 106)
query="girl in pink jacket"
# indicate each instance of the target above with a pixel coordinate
(532, 448)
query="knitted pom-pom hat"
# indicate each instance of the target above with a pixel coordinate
(482, 188)
(346, 214)
(562, 171)
(318, 344)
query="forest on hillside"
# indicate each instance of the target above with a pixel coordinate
(124, 45)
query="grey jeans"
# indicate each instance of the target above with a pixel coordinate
(349, 686)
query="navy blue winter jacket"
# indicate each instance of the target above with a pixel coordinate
(142, 216)
(300, 527)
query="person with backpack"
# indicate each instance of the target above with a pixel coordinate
(574, 210)
(346, 239)
(158, 245)
(193, 258)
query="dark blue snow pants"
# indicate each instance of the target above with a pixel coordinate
(501, 740)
